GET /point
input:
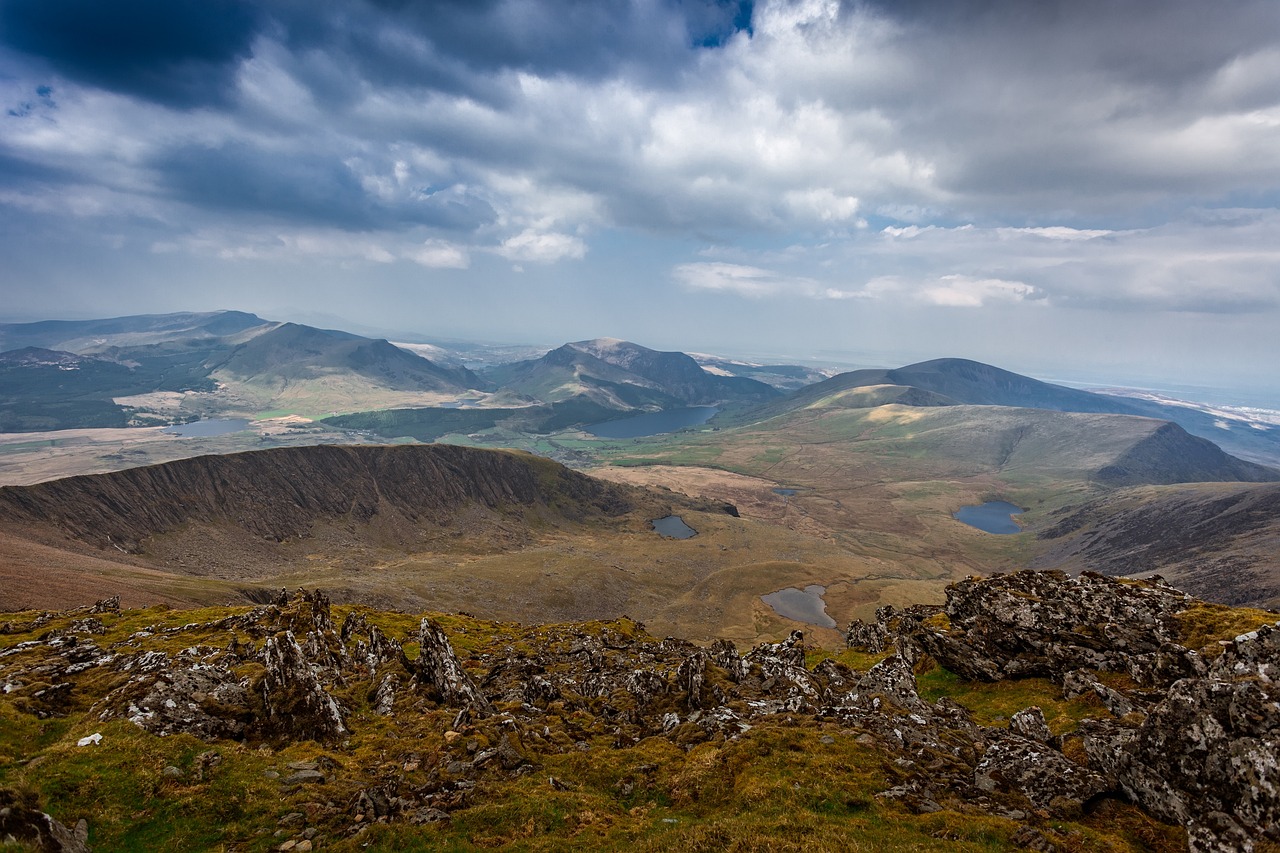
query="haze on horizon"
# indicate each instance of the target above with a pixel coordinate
(1049, 187)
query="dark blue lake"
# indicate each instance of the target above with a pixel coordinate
(992, 516)
(653, 423)
(802, 605)
(673, 526)
(209, 428)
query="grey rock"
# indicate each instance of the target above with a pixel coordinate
(1030, 724)
(438, 669)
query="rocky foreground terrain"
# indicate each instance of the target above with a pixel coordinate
(1032, 710)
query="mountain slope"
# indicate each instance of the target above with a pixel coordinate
(280, 494)
(291, 353)
(1214, 540)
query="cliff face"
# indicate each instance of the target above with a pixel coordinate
(279, 494)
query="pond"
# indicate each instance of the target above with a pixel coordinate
(802, 605)
(786, 493)
(673, 526)
(653, 423)
(992, 516)
(208, 429)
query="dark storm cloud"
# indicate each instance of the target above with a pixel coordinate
(308, 189)
(178, 52)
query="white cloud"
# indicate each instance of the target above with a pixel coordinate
(438, 254)
(542, 247)
(959, 291)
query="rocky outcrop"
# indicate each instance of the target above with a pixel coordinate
(1201, 749)
(438, 671)
(1046, 624)
(1193, 741)
(23, 823)
(1208, 755)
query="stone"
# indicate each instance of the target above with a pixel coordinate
(437, 669)
(22, 820)
(305, 777)
(295, 704)
(1030, 724)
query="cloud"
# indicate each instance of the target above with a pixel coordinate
(181, 53)
(437, 254)
(959, 291)
(541, 247)
(753, 282)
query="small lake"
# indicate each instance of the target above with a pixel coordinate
(653, 423)
(673, 526)
(802, 605)
(209, 428)
(992, 516)
(786, 493)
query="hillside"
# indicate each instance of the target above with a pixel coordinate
(1215, 540)
(994, 721)
(93, 336)
(146, 370)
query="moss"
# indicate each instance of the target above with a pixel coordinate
(1202, 625)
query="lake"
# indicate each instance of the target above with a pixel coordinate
(802, 605)
(653, 423)
(992, 516)
(673, 526)
(209, 428)
(786, 493)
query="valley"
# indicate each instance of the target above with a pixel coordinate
(877, 463)
(550, 518)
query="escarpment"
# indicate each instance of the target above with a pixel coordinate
(282, 493)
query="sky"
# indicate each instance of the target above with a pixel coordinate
(1084, 188)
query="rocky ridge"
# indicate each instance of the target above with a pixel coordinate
(1190, 736)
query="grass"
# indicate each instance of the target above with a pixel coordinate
(786, 784)
(1203, 624)
(993, 703)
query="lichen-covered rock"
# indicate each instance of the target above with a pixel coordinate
(439, 671)
(1047, 778)
(866, 636)
(1208, 755)
(204, 700)
(22, 822)
(1033, 623)
(294, 703)
(1030, 723)
(692, 678)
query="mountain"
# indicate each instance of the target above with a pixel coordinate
(623, 375)
(968, 382)
(289, 354)
(280, 494)
(962, 381)
(89, 336)
(143, 370)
